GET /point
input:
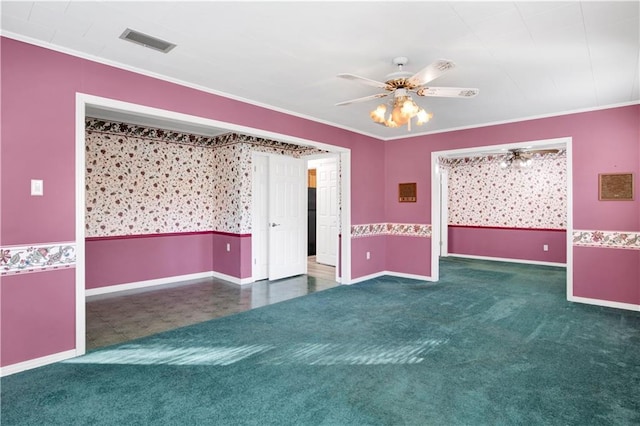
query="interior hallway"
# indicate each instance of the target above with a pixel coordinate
(133, 314)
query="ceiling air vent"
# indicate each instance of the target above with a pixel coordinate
(147, 41)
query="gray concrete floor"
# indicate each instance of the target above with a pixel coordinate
(121, 317)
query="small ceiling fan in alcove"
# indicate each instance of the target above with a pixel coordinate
(400, 84)
(523, 157)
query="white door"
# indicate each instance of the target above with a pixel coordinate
(287, 217)
(444, 212)
(326, 211)
(260, 218)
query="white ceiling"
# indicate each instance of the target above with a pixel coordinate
(529, 59)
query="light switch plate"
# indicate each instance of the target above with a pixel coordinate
(37, 187)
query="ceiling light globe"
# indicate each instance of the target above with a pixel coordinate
(409, 108)
(423, 116)
(377, 114)
(399, 117)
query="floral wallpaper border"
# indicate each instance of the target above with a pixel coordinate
(151, 133)
(37, 257)
(494, 158)
(607, 239)
(398, 229)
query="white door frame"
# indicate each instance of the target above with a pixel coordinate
(436, 194)
(444, 212)
(84, 100)
(318, 160)
(259, 216)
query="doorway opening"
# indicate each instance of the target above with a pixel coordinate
(295, 218)
(440, 196)
(153, 117)
(323, 215)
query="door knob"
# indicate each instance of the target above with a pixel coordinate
(273, 225)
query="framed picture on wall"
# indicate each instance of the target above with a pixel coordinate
(615, 186)
(407, 192)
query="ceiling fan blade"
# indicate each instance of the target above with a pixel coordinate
(431, 72)
(448, 92)
(542, 151)
(364, 80)
(366, 98)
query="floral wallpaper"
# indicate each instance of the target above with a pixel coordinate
(138, 186)
(149, 181)
(481, 193)
(401, 229)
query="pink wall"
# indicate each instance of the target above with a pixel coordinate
(376, 246)
(614, 274)
(37, 315)
(112, 261)
(409, 255)
(123, 260)
(237, 261)
(508, 243)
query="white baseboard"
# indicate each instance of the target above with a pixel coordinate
(144, 284)
(235, 280)
(165, 282)
(390, 273)
(504, 259)
(366, 277)
(36, 362)
(604, 303)
(410, 276)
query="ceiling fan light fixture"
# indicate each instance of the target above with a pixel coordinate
(403, 111)
(516, 160)
(400, 84)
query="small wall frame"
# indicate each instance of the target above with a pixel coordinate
(615, 187)
(407, 192)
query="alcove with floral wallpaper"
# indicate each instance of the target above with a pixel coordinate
(178, 195)
(508, 212)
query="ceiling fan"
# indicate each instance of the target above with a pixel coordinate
(401, 83)
(522, 157)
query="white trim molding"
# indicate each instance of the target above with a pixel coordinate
(509, 260)
(98, 291)
(605, 303)
(37, 362)
(177, 280)
(391, 274)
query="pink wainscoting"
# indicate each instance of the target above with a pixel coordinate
(112, 261)
(37, 314)
(409, 255)
(608, 274)
(236, 262)
(376, 246)
(508, 243)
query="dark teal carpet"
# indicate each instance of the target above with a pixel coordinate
(491, 343)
